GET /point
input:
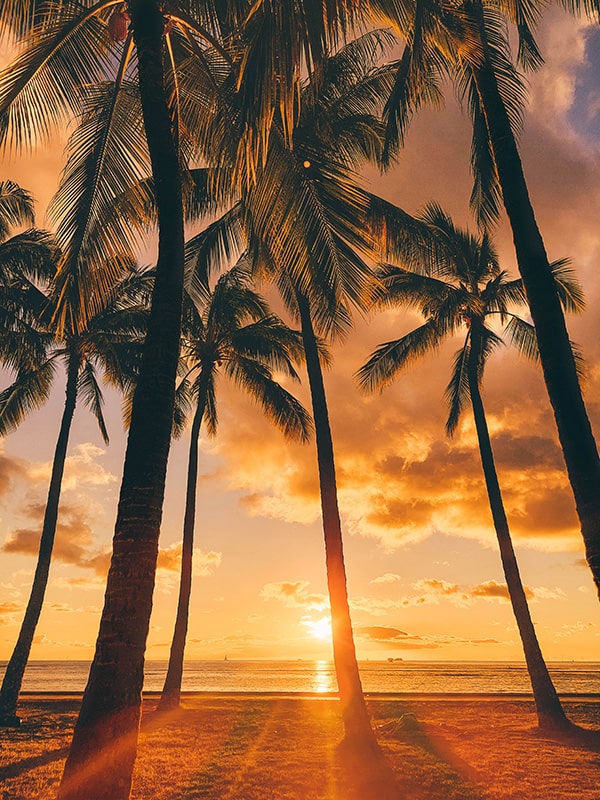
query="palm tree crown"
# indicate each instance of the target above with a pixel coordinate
(455, 281)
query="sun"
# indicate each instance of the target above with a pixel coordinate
(319, 628)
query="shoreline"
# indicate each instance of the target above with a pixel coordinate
(588, 697)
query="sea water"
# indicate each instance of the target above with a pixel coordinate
(395, 677)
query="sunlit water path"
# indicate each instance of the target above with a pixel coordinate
(456, 677)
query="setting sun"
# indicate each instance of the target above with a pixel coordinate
(319, 628)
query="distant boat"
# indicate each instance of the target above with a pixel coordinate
(225, 659)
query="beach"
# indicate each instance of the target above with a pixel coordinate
(286, 747)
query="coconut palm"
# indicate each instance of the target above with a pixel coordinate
(304, 216)
(229, 331)
(110, 341)
(469, 42)
(454, 279)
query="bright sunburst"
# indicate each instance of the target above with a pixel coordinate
(319, 628)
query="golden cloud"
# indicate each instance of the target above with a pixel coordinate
(295, 594)
(169, 559)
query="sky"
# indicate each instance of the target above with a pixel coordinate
(424, 574)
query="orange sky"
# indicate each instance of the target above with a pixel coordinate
(424, 573)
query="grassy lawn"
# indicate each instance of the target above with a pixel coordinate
(282, 748)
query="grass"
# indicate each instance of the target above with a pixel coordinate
(286, 748)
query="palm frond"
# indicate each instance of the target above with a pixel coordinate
(390, 358)
(107, 156)
(28, 392)
(41, 88)
(569, 290)
(278, 404)
(458, 394)
(91, 394)
(16, 207)
(521, 335)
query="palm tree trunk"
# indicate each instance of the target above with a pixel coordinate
(574, 429)
(102, 754)
(13, 677)
(549, 709)
(171, 693)
(357, 724)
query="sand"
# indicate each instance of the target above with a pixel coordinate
(269, 747)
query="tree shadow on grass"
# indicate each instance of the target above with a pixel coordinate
(19, 767)
(573, 736)
(427, 768)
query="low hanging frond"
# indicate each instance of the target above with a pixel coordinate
(91, 394)
(458, 393)
(28, 392)
(568, 288)
(286, 412)
(107, 156)
(16, 207)
(521, 335)
(41, 88)
(388, 360)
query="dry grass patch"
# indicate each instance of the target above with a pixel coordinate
(286, 748)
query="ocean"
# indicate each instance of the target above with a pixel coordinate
(391, 677)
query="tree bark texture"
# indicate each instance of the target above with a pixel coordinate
(558, 365)
(171, 693)
(102, 754)
(13, 677)
(550, 712)
(356, 719)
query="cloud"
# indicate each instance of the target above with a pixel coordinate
(388, 577)
(575, 628)
(8, 611)
(73, 543)
(294, 595)
(169, 559)
(434, 591)
(81, 468)
(11, 469)
(394, 637)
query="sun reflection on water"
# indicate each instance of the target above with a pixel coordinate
(323, 680)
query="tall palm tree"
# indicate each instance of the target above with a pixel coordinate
(304, 216)
(469, 42)
(111, 341)
(227, 330)
(455, 281)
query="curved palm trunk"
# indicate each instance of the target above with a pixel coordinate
(549, 709)
(13, 677)
(574, 429)
(102, 754)
(171, 693)
(357, 724)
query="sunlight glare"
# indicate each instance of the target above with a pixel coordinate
(319, 628)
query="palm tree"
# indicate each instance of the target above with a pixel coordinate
(455, 281)
(111, 341)
(228, 330)
(471, 44)
(304, 216)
